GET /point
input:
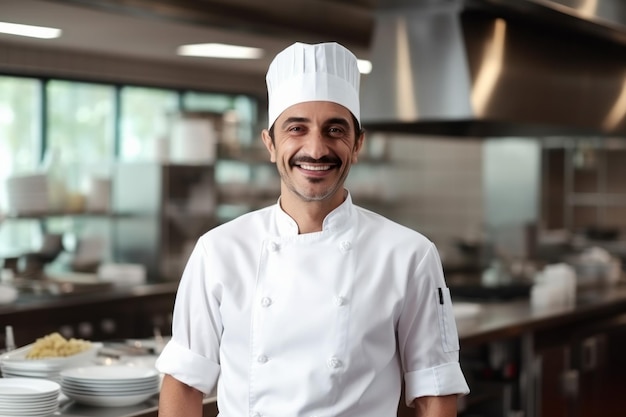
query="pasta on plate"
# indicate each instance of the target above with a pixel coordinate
(54, 345)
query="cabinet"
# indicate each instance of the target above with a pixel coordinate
(579, 370)
(583, 186)
(108, 315)
(246, 180)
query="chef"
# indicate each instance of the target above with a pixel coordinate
(314, 306)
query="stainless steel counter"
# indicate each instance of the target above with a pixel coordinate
(69, 408)
(499, 320)
(495, 321)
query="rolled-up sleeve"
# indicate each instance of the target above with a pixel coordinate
(427, 334)
(192, 354)
(188, 367)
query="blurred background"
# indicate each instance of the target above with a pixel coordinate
(497, 128)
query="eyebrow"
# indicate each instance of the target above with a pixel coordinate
(295, 120)
(335, 120)
(339, 121)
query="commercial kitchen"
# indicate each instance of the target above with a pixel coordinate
(496, 128)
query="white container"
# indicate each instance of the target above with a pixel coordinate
(555, 287)
(29, 193)
(123, 274)
(193, 141)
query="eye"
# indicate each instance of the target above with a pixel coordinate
(336, 131)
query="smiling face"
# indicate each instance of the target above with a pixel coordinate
(314, 145)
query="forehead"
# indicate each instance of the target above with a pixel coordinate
(316, 112)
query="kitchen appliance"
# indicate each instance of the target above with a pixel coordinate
(497, 68)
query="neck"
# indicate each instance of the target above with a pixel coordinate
(310, 215)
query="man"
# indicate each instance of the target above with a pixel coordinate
(313, 307)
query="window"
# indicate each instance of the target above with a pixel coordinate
(240, 113)
(238, 130)
(79, 132)
(20, 127)
(20, 152)
(144, 121)
(80, 127)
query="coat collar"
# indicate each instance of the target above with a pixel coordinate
(339, 219)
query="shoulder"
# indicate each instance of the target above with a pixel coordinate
(376, 224)
(382, 238)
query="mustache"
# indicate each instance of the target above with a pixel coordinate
(309, 160)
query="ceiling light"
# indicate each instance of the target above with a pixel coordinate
(220, 50)
(29, 30)
(365, 66)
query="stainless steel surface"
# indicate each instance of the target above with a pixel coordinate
(514, 318)
(69, 408)
(495, 68)
(449, 67)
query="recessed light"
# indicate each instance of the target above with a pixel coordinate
(220, 50)
(29, 30)
(365, 66)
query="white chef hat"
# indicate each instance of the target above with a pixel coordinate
(320, 72)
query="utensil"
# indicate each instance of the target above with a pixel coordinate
(9, 343)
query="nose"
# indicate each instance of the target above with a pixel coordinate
(315, 145)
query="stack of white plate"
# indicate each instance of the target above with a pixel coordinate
(110, 386)
(14, 364)
(27, 397)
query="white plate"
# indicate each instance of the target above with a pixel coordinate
(44, 413)
(110, 401)
(28, 372)
(151, 343)
(18, 412)
(48, 399)
(22, 411)
(31, 404)
(27, 387)
(152, 390)
(16, 359)
(108, 388)
(30, 400)
(112, 374)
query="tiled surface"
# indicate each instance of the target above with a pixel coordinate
(440, 180)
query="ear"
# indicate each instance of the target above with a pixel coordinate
(269, 144)
(357, 147)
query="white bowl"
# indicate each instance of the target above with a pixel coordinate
(8, 294)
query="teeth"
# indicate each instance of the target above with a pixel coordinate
(315, 167)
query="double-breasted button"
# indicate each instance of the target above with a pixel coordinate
(333, 362)
(345, 246)
(273, 247)
(340, 301)
(261, 359)
(266, 302)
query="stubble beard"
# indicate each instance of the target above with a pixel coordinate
(312, 196)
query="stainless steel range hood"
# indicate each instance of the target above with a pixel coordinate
(486, 68)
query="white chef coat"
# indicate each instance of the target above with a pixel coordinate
(322, 324)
